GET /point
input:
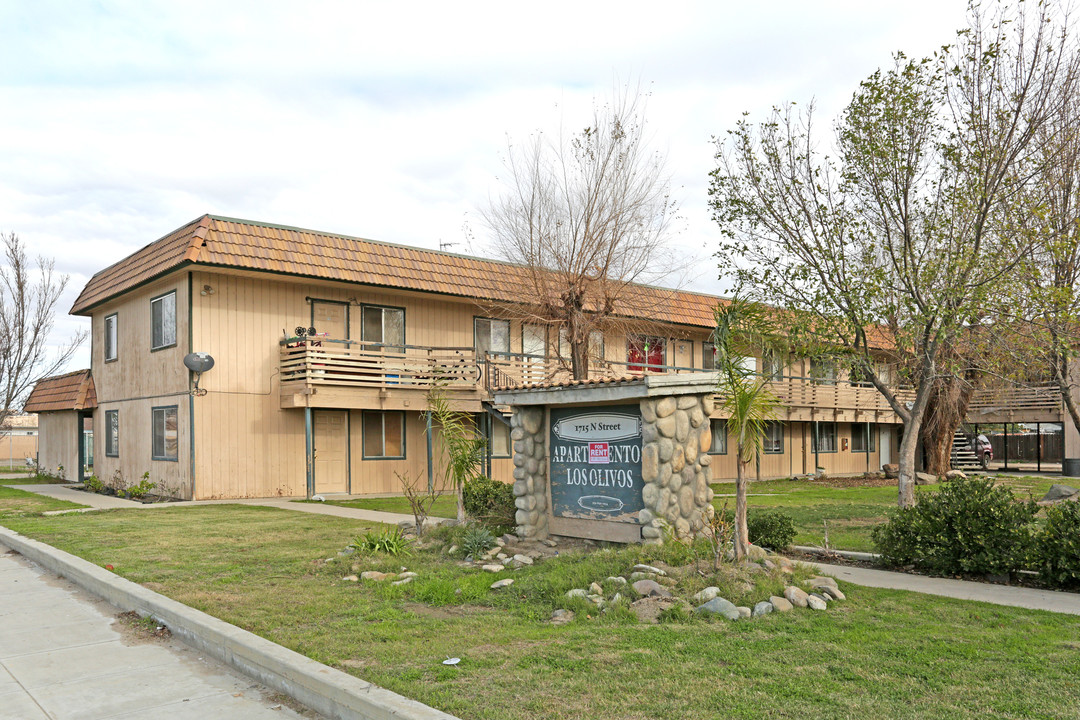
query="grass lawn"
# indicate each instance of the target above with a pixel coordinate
(851, 511)
(25, 479)
(444, 507)
(879, 654)
(17, 503)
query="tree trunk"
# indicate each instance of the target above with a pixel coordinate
(579, 357)
(461, 503)
(742, 539)
(948, 406)
(906, 461)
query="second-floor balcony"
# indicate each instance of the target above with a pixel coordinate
(353, 374)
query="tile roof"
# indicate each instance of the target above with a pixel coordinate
(73, 391)
(227, 242)
(547, 384)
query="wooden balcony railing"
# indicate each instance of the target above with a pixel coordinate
(376, 365)
(1045, 397)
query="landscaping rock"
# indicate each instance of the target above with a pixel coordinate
(650, 588)
(561, 617)
(643, 576)
(956, 475)
(795, 596)
(1059, 493)
(745, 613)
(502, 556)
(891, 470)
(707, 594)
(453, 549)
(595, 599)
(595, 589)
(780, 604)
(648, 609)
(832, 592)
(507, 539)
(820, 580)
(376, 575)
(351, 578)
(576, 593)
(814, 602)
(922, 478)
(616, 579)
(499, 584)
(405, 581)
(762, 608)
(616, 598)
(648, 569)
(492, 568)
(719, 606)
(408, 575)
(523, 559)
(550, 543)
(756, 553)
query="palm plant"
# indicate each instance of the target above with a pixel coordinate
(460, 442)
(747, 400)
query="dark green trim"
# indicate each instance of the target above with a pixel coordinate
(783, 443)
(87, 311)
(164, 458)
(404, 322)
(363, 436)
(154, 299)
(815, 439)
(717, 452)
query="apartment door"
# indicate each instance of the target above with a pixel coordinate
(331, 451)
(330, 319)
(885, 444)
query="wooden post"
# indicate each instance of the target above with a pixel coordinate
(310, 440)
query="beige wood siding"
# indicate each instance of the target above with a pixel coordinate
(58, 436)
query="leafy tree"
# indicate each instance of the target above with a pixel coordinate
(896, 244)
(28, 297)
(745, 397)
(587, 217)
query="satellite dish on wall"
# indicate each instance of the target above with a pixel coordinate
(198, 362)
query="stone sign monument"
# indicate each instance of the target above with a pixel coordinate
(618, 460)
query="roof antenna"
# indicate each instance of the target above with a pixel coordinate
(443, 245)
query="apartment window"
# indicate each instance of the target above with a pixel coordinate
(772, 365)
(490, 335)
(500, 439)
(823, 371)
(648, 351)
(596, 345)
(165, 441)
(773, 442)
(110, 337)
(163, 321)
(708, 355)
(823, 437)
(384, 434)
(384, 325)
(112, 433)
(719, 437)
(863, 438)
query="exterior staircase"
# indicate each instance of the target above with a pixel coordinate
(963, 457)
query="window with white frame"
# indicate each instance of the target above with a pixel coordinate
(490, 335)
(719, 437)
(112, 433)
(384, 325)
(163, 321)
(823, 437)
(773, 442)
(863, 437)
(165, 428)
(384, 434)
(110, 337)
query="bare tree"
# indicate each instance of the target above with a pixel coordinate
(28, 297)
(896, 244)
(587, 217)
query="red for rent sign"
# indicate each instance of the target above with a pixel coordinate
(598, 453)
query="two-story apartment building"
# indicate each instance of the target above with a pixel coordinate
(284, 411)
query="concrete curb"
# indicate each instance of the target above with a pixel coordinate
(328, 691)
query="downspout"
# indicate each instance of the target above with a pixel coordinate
(191, 386)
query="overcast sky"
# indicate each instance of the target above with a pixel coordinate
(122, 120)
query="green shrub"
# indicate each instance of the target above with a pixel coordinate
(391, 541)
(1057, 546)
(489, 501)
(968, 526)
(475, 539)
(772, 529)
(93, 484)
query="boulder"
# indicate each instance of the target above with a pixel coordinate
(780, 604)
(956, 475)
(922, 478)
(648, 569)
(719, 606)
(595, 589)
(815, 603)
(821, 580)
(745, 613)
(575, 593)
(499, 584)
(795, 596)
(492, 568)
(707, 594)
(891, 470)
(831, 592)
(1059, 493)
(762, 608)
(650, 588)
(561, 617)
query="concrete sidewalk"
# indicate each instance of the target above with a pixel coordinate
(64, 656)
(1031, 598)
